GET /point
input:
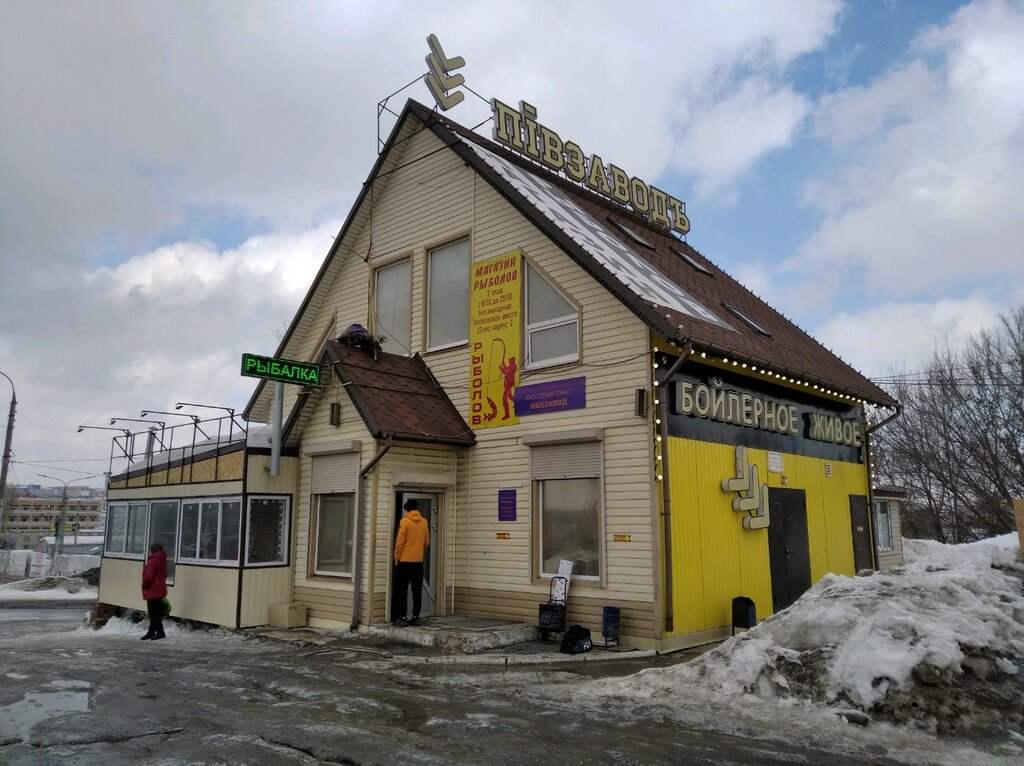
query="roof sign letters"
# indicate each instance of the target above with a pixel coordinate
(520, 130)
(284, 370)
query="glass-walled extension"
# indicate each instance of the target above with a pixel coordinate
(223, 521)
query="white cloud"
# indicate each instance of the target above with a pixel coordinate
(879, 339)
(730, 135)
(925, 193)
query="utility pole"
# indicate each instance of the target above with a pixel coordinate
(6, 461)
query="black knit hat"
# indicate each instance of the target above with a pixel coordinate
(410, 505)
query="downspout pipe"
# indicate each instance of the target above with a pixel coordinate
(666, 495)
(357, 552)
(871, 490)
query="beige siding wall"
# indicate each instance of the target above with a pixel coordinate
(121, 583)
(206, 594)
(260, 589)
(433, 199)
(207, 489)
(259, 481)
(894, 557)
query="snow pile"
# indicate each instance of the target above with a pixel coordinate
(938, 642)
(48, 589)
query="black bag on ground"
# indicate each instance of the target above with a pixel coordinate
(576, 640)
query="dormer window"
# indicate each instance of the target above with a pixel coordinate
(748, 321)
(632, 235)
(697, 265)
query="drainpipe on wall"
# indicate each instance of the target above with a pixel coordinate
(871, 490)
(357, 575)
(662, 413)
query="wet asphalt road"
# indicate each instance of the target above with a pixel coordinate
(77, 697)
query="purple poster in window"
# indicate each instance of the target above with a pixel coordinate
(558, 395)
(506, 505)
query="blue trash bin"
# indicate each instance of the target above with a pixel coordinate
(610, 625)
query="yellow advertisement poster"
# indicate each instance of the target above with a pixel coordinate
(494, 339)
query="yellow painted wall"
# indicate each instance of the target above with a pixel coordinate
(715, 559)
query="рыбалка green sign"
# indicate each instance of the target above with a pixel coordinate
(285, 370)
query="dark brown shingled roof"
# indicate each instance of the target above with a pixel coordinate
(398, 397)
(789, 350)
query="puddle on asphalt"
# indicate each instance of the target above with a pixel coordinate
(18, 718)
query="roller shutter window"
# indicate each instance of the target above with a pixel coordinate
(568, 483)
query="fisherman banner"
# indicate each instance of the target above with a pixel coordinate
(495, 306)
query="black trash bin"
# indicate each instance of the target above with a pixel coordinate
(744, 613)
(610, 625)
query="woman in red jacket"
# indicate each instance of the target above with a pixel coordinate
(154, 589)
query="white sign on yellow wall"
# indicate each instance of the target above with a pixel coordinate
(495, 338)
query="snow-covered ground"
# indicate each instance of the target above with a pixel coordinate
(924, 663)
(936, 645)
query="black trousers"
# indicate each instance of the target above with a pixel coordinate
(155, 607)
(408, 574)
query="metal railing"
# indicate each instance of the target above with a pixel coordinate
(163, 448)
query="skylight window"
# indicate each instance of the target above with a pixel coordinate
(631, 234)
(697, 265)
(748, 321)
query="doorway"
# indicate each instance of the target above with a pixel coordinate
(427, 504)
(788, 548)
(862, 558)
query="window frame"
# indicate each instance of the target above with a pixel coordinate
(109, 538)
(314, 563)
(378, 328)
(599, 549)
(564, 320)
(202, 502)
(285, 539)
(429, 287)
(887, 527)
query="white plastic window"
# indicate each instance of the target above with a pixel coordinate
(334, 534)
(552, 324)
(448, 295)
(267, 535)
(393, 307)
(570, 513)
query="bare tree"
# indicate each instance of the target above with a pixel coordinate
(959, 445)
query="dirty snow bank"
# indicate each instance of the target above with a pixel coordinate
(938, 643)
(48, 589)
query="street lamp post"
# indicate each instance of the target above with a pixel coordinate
(58, 548)
(6, 460)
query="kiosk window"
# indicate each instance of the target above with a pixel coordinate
(268, 531)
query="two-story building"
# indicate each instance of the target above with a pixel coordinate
(518, 335)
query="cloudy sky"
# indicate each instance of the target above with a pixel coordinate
(171, 174)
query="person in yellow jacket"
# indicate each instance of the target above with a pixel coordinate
(410, 547)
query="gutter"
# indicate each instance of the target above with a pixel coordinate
(871, 490)
(357, 575)
(666, 495)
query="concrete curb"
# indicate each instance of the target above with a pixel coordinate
(595, 655)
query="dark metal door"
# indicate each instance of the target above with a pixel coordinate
(862, 558)
(788, 549)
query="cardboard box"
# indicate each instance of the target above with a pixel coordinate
(288, 615)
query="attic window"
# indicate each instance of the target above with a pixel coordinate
(697, 265)
(631, 234)
(748, 321)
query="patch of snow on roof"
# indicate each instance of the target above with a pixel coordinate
(625, 265)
